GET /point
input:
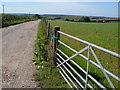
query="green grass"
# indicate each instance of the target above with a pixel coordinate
(47, 75)
(101, 34)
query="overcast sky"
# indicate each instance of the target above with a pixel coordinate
(73, 8)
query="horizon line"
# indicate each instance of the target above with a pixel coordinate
(58, 14)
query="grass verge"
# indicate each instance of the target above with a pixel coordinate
(47, 75)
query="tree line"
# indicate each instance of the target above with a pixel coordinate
(83, 19)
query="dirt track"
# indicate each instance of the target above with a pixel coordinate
(17, 55)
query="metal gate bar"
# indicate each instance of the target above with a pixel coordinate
(71, 74)
(68, 76)
(108, 72)
(75, 71)
(99, 84)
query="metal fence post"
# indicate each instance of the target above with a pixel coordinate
(56, 44)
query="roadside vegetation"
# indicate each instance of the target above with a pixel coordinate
(47, 75)
(8, 20)
(101, 34)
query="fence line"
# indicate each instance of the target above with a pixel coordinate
(64, 65)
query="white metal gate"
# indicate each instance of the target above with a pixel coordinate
(64, 71)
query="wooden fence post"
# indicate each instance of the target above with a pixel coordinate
(48, 31)
(56, 44)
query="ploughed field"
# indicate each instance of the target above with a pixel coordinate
(101, 34)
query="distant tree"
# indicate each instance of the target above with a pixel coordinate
(72, 20)
(66, 19)
(58, 18)
(86, 19)
(95, 17)
(37, 16)
(79, 20)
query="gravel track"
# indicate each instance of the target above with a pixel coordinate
(17, 55)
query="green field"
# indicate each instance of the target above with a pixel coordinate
(101, 34)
